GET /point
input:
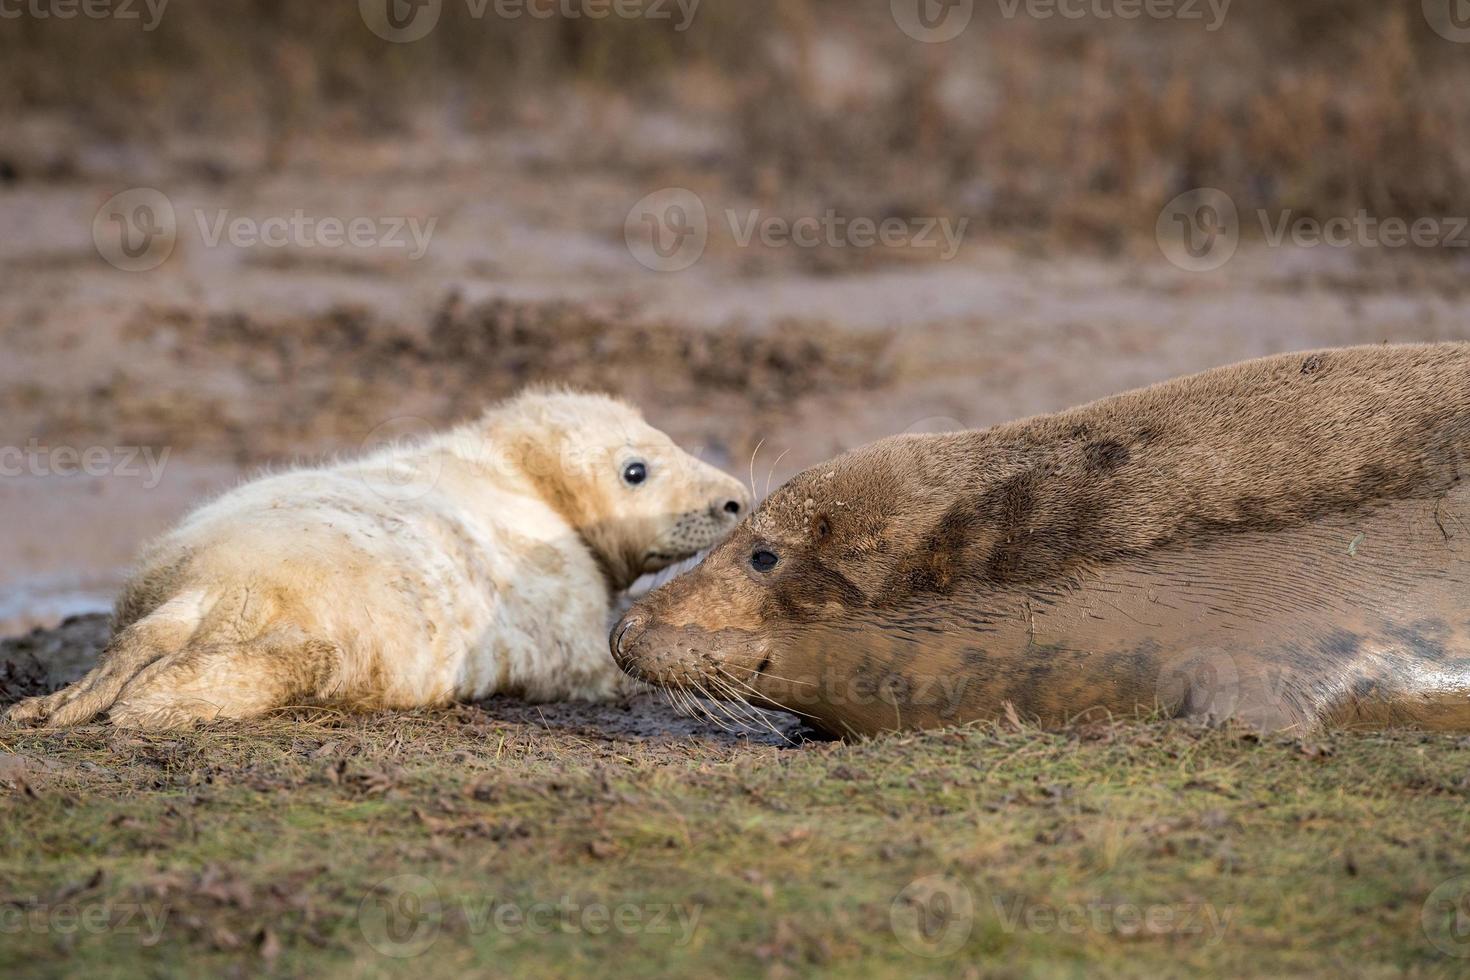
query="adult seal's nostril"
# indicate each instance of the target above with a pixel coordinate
(619, 634)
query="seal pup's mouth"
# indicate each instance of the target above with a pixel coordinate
(661, 569)
(661, 575)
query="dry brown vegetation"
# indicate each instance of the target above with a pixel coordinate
(1078, 127)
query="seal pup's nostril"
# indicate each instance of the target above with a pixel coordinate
(732, 506)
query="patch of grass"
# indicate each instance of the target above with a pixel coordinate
(539, 845)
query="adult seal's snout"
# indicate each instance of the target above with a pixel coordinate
(625, 631)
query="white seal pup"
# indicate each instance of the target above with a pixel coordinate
(482, 560)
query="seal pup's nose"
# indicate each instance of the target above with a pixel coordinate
(726, 507)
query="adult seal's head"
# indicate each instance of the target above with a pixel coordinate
(1278, 541)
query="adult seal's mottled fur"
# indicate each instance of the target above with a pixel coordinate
(1283, 541)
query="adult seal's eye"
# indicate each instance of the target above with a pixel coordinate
(763, 561)
(634, 474)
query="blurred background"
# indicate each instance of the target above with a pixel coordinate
(243, 233)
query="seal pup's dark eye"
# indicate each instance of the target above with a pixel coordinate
(762, 560)
(635, 473)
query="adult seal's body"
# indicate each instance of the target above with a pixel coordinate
(481, 560)
(1283, 541)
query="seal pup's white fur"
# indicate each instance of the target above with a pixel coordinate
(482, 560)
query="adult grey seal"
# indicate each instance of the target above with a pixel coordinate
(1282, 541)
